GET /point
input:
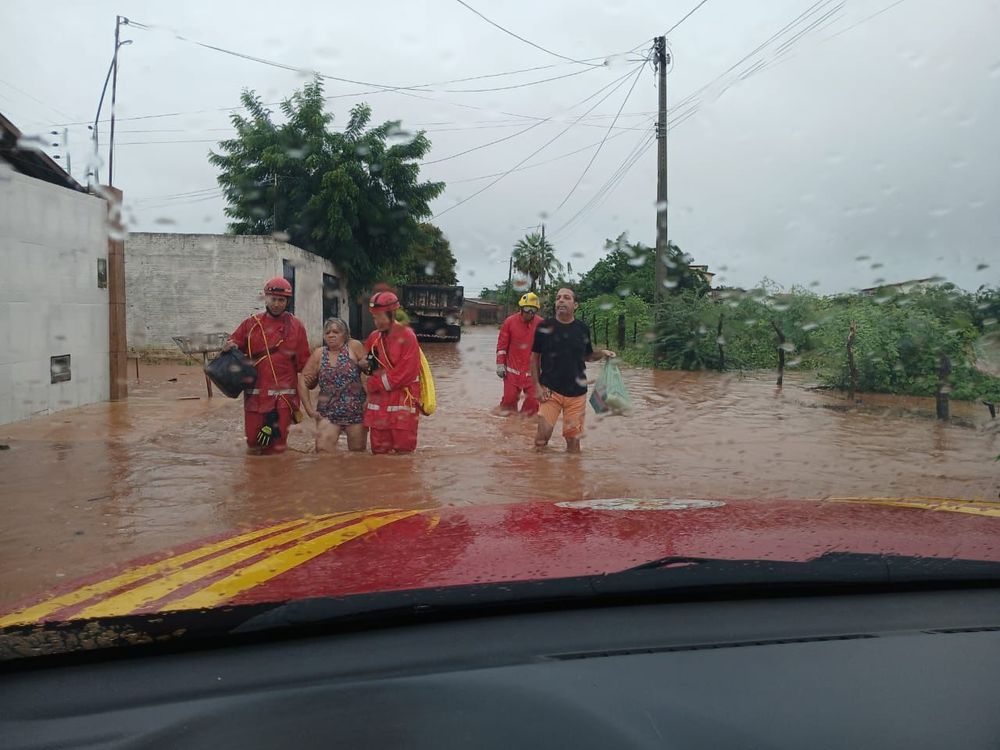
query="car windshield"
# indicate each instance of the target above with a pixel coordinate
(310, 303)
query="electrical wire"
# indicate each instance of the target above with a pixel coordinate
(35, 99)
(541, 163)
(686, 17)
(518, 36)
(603, 140)
(640, 148)
(533, 153)
(864, 20)
(525, 130)
(379, 87)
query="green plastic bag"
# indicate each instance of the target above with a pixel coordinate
(610, 394)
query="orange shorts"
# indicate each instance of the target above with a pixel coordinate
(572, 408)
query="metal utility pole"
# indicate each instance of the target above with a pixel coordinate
(114, 97)
(661, 60)
(542, 248)
(112, 74)
(507, 291)
(69, 160)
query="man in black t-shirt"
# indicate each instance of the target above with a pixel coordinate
(559, 370)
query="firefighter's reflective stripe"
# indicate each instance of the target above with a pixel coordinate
(280, 392)
(385, 381)
(516, 372)
(393, 409)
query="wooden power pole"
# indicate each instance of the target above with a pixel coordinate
(661, 60)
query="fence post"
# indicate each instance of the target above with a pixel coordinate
(781, 353)
(635, 332)
(607, 327)
(943, 388)
(722, 350)
(851, 366)
(621, 332)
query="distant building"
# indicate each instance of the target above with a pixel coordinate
(903, 287)
(704, 273)
(55, 311)
(728, 293)
(481, 312)
(191, 284)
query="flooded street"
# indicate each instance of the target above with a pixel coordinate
(94, 487)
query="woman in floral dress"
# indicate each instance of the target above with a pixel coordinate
(340, 406)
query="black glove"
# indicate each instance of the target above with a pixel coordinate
(372, 362)
(269, 431)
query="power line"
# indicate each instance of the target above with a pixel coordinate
(643, 144)
(35, 99)
(864, 20)
(633, 158)
(164, 143)
(459, 128)
(174, 204)
(518, 36)
(693, 104)
(811, 11)
(525, 130)
(540, 163)
(536, 151)
(686, 17)
(788, 43)
(379, 86)
(171, 196)
(608, 188)
(598, 151)
(203, 191)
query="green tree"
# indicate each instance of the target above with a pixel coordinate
(535, 257)
(354, 197)
(429, 259)
(629, 268)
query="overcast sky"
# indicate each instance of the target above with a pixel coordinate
(874, 135)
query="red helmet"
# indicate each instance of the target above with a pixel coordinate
(383, 302)
(279, 287)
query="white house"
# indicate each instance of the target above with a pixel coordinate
(54, 312)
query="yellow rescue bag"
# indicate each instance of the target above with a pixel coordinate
(428, 396)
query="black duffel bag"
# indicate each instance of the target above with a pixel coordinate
(232, 373)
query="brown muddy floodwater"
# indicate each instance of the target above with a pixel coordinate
(93, 487)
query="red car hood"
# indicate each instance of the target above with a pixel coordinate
(370, 551)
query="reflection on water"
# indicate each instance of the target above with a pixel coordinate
(100, 485)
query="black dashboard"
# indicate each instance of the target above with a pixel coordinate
(890, 670)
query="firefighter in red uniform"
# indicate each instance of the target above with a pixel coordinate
(393, 365)
(517, 335)
(276, 342)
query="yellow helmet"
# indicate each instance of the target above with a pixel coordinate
(529, 300)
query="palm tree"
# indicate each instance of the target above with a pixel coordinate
(535, 257)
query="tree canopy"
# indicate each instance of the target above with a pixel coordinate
(352, 196)
(428, 260)
(629, 268)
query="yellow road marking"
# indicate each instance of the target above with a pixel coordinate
(149, 592)
(274, 565)
(84, 593)
(950, 505)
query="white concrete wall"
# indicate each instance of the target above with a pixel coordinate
(181, 284)
(50, 240)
